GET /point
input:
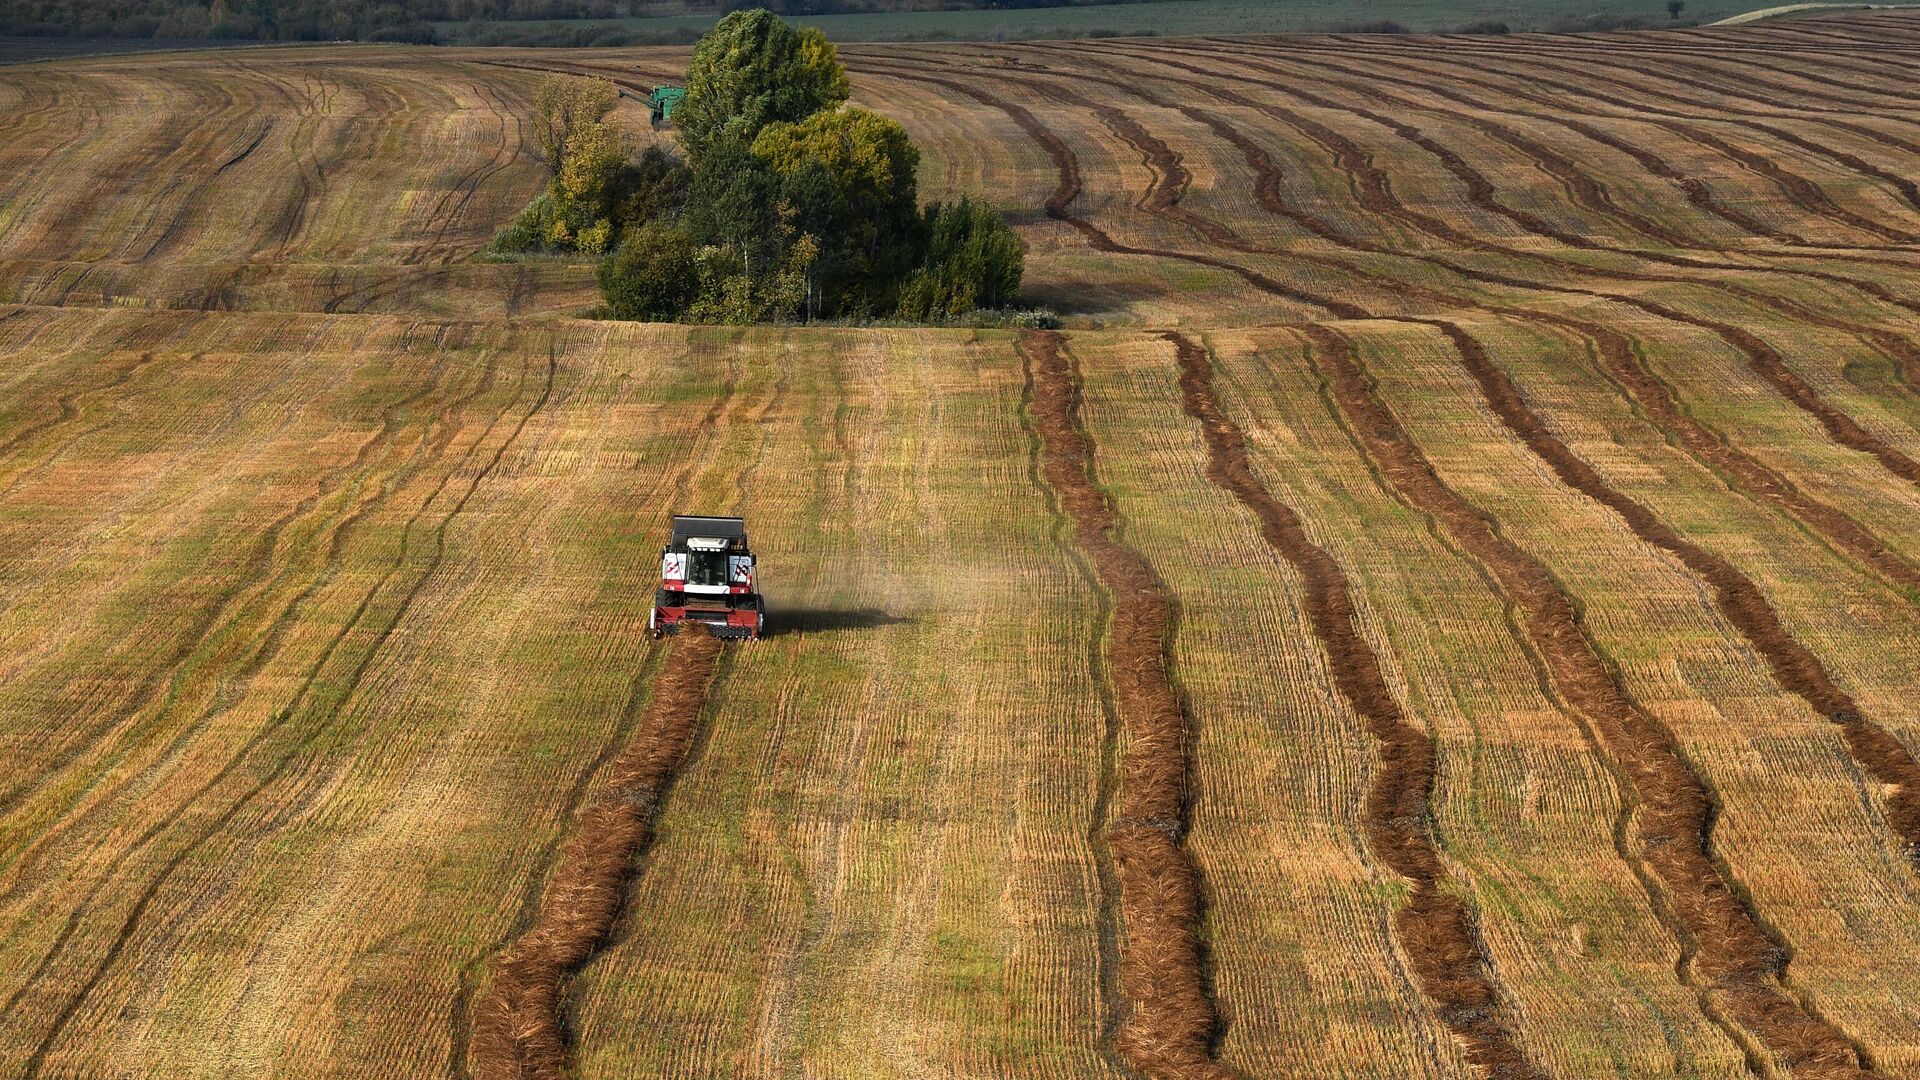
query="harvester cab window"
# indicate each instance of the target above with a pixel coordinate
(706, 568)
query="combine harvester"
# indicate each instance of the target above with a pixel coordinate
(706, 575)
(664, 100)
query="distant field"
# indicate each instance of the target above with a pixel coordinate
(1447, 605)
(1169, 18)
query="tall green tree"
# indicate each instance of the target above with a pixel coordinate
(751, 70)
(851, 175)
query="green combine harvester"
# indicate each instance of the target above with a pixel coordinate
(665, 99)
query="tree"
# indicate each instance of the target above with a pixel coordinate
(652, 188)
(652, 275)
(867, 167)
(753, 69)
(731, 206)
(1675, 7)
(562, 106)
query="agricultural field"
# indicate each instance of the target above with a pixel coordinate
(1152, 17)
(1446, 604)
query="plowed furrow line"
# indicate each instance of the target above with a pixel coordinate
(1617, 352)
(340, 693)
(1436, 929)
(1561, 113)
(1762, 358)
(1847, 95)
(1561, 58)
(1169, 1025)
(1058, 203)
(518, 1030)
(1776, 95)
(1695, 190)
(1738, 598)
(1794, 667)
(1671, 121)
(1736, 965)
(1804, 193)
(1375, 192)
(1796, 187)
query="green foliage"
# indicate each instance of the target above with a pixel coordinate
(563, 107)
(973, 260)
(592, 173)
(652, 276)
(792, 206)
(654, 187)
(850, 175)
(752, 70)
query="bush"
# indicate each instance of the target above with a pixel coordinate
(652, 276)
(973, 260)
(1485, 26)
(654, 188)
(528, 232)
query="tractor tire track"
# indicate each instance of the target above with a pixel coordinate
(460, 1009)
(36, 1061)
(1106, 780)
(518, 1030)
(254, 569)
(66, 406)
(1170, 1024)
(1735, 964)
(505, 153)
(1794, 667)
(1621, 358)
(1762, 358)
(1435, 929)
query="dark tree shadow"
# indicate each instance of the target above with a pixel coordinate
(808, 621)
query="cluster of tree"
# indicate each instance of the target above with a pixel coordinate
(789, 204)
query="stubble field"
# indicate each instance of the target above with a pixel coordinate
(1448, 605)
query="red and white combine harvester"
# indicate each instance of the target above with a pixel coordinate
(706, 575)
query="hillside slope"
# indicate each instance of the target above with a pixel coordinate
(1449, 606)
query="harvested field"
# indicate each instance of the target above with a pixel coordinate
(1446, 604)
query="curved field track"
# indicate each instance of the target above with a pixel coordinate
(1446, 604)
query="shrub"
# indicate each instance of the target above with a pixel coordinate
(652, 276)
(973, 260)
(653, 188)
(528, 232)
(1485, 26)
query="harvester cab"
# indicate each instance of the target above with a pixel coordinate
(665, 99)
(706, 575)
